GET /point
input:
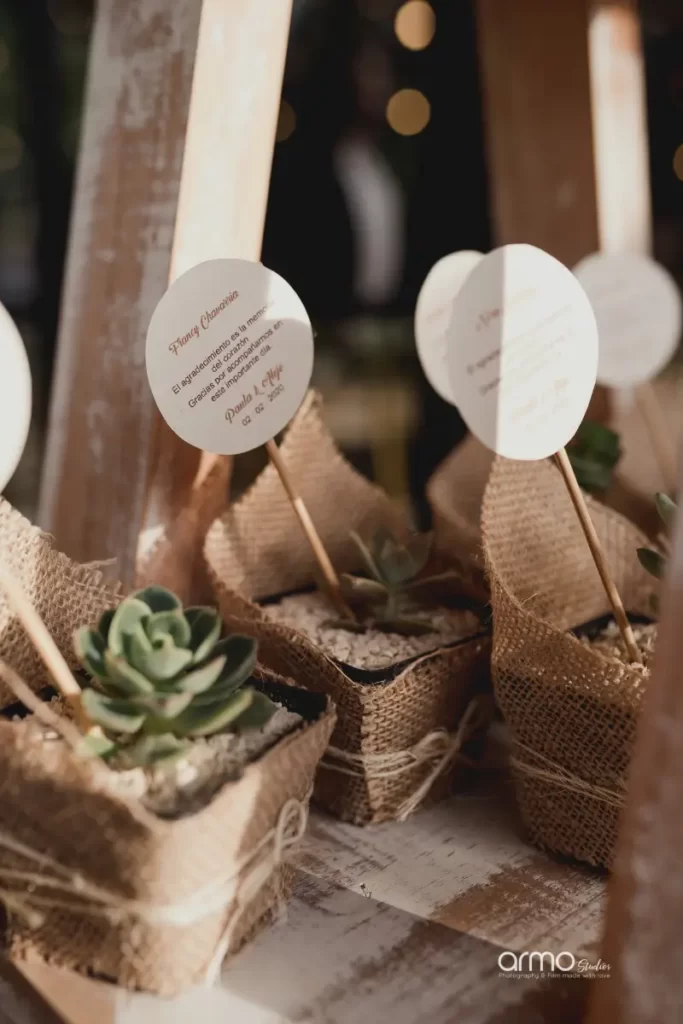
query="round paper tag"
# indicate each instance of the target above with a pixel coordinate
(15, 397)
(229, 355)
(638, 308)
(522, 352)
(433, 314)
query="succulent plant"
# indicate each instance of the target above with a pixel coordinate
(162, 675)
(594, 453)
(653, 561)
(385, 599)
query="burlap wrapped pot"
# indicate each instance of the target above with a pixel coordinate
(399, 736)
(91, 879)
(572, 713)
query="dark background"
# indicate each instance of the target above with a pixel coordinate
(344, 62)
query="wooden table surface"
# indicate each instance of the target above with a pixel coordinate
(392, 923)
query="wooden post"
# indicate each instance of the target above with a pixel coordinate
(112, 468)
(643, 944)
(564, 111)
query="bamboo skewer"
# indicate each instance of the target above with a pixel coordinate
(323, 559)
(598, 554)
(45, 645)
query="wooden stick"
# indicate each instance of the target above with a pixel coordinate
(45, 645)
(660, 437)
(579, 503)
(323, 559)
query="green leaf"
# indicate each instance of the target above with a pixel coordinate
(96, 745)
(367, 557)
(136, 646)
(599, 441)
(240, 658)
(202, 678)
(126, 678)
(592, 476)
(205, 625)
(212, 718)
(350, 625)
(164, 624)
(150, 751)
(164, 662)
(126, 617)
(404, 626)
(667, 510)
(357, 588)
(162, 708)
(90, 648)
(158, 599)
(257, 714)
(105, 622)
(652, 562)
(420, 547)
(116, 715)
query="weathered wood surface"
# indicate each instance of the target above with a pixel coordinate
(643, 940)
(395, 924)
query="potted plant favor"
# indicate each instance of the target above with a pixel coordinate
(144, 832)
(568, 690)
(405, 662)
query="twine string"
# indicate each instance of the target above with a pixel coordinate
(556, 775)
(437, 748)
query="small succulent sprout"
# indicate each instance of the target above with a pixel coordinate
(594, 453)
(655, 562)
(162, 676)
(388, 598)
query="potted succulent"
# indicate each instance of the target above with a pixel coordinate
(403, 668)
(566, 688)
(147, 849)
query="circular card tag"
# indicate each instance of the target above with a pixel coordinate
(229, 355)
(522, 352)
(15, 397)
(638, 308)
(433, 315)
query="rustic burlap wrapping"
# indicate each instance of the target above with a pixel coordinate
(174, 559)
(572, 714)
(256, 549)
(455, 493)
(65, 595)
(53, 804)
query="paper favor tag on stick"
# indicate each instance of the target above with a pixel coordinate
(637, 305)
(229, 355)
(433, 314)
(15, 397)
(522, 352)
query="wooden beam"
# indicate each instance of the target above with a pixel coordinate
(564, 110)
(643, 944)
(111, 467)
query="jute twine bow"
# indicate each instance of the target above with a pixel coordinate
(556, 775)
(438, 748)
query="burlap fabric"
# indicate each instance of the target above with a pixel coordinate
(455, 493)
(174, 559)
(572, 713)
(66, 595)
(256, 549)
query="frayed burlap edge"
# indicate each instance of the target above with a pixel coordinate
(256, 550)
(572, 714)
(58, 805)
(66, 595)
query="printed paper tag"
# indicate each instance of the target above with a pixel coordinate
(522, 352)
(637, 305)
(433, 315)
(15, 397)
(229, 355)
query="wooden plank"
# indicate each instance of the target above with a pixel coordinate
(643, 938)
(340, 957)
(236, 90)
(101, 418)
(466, 864)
